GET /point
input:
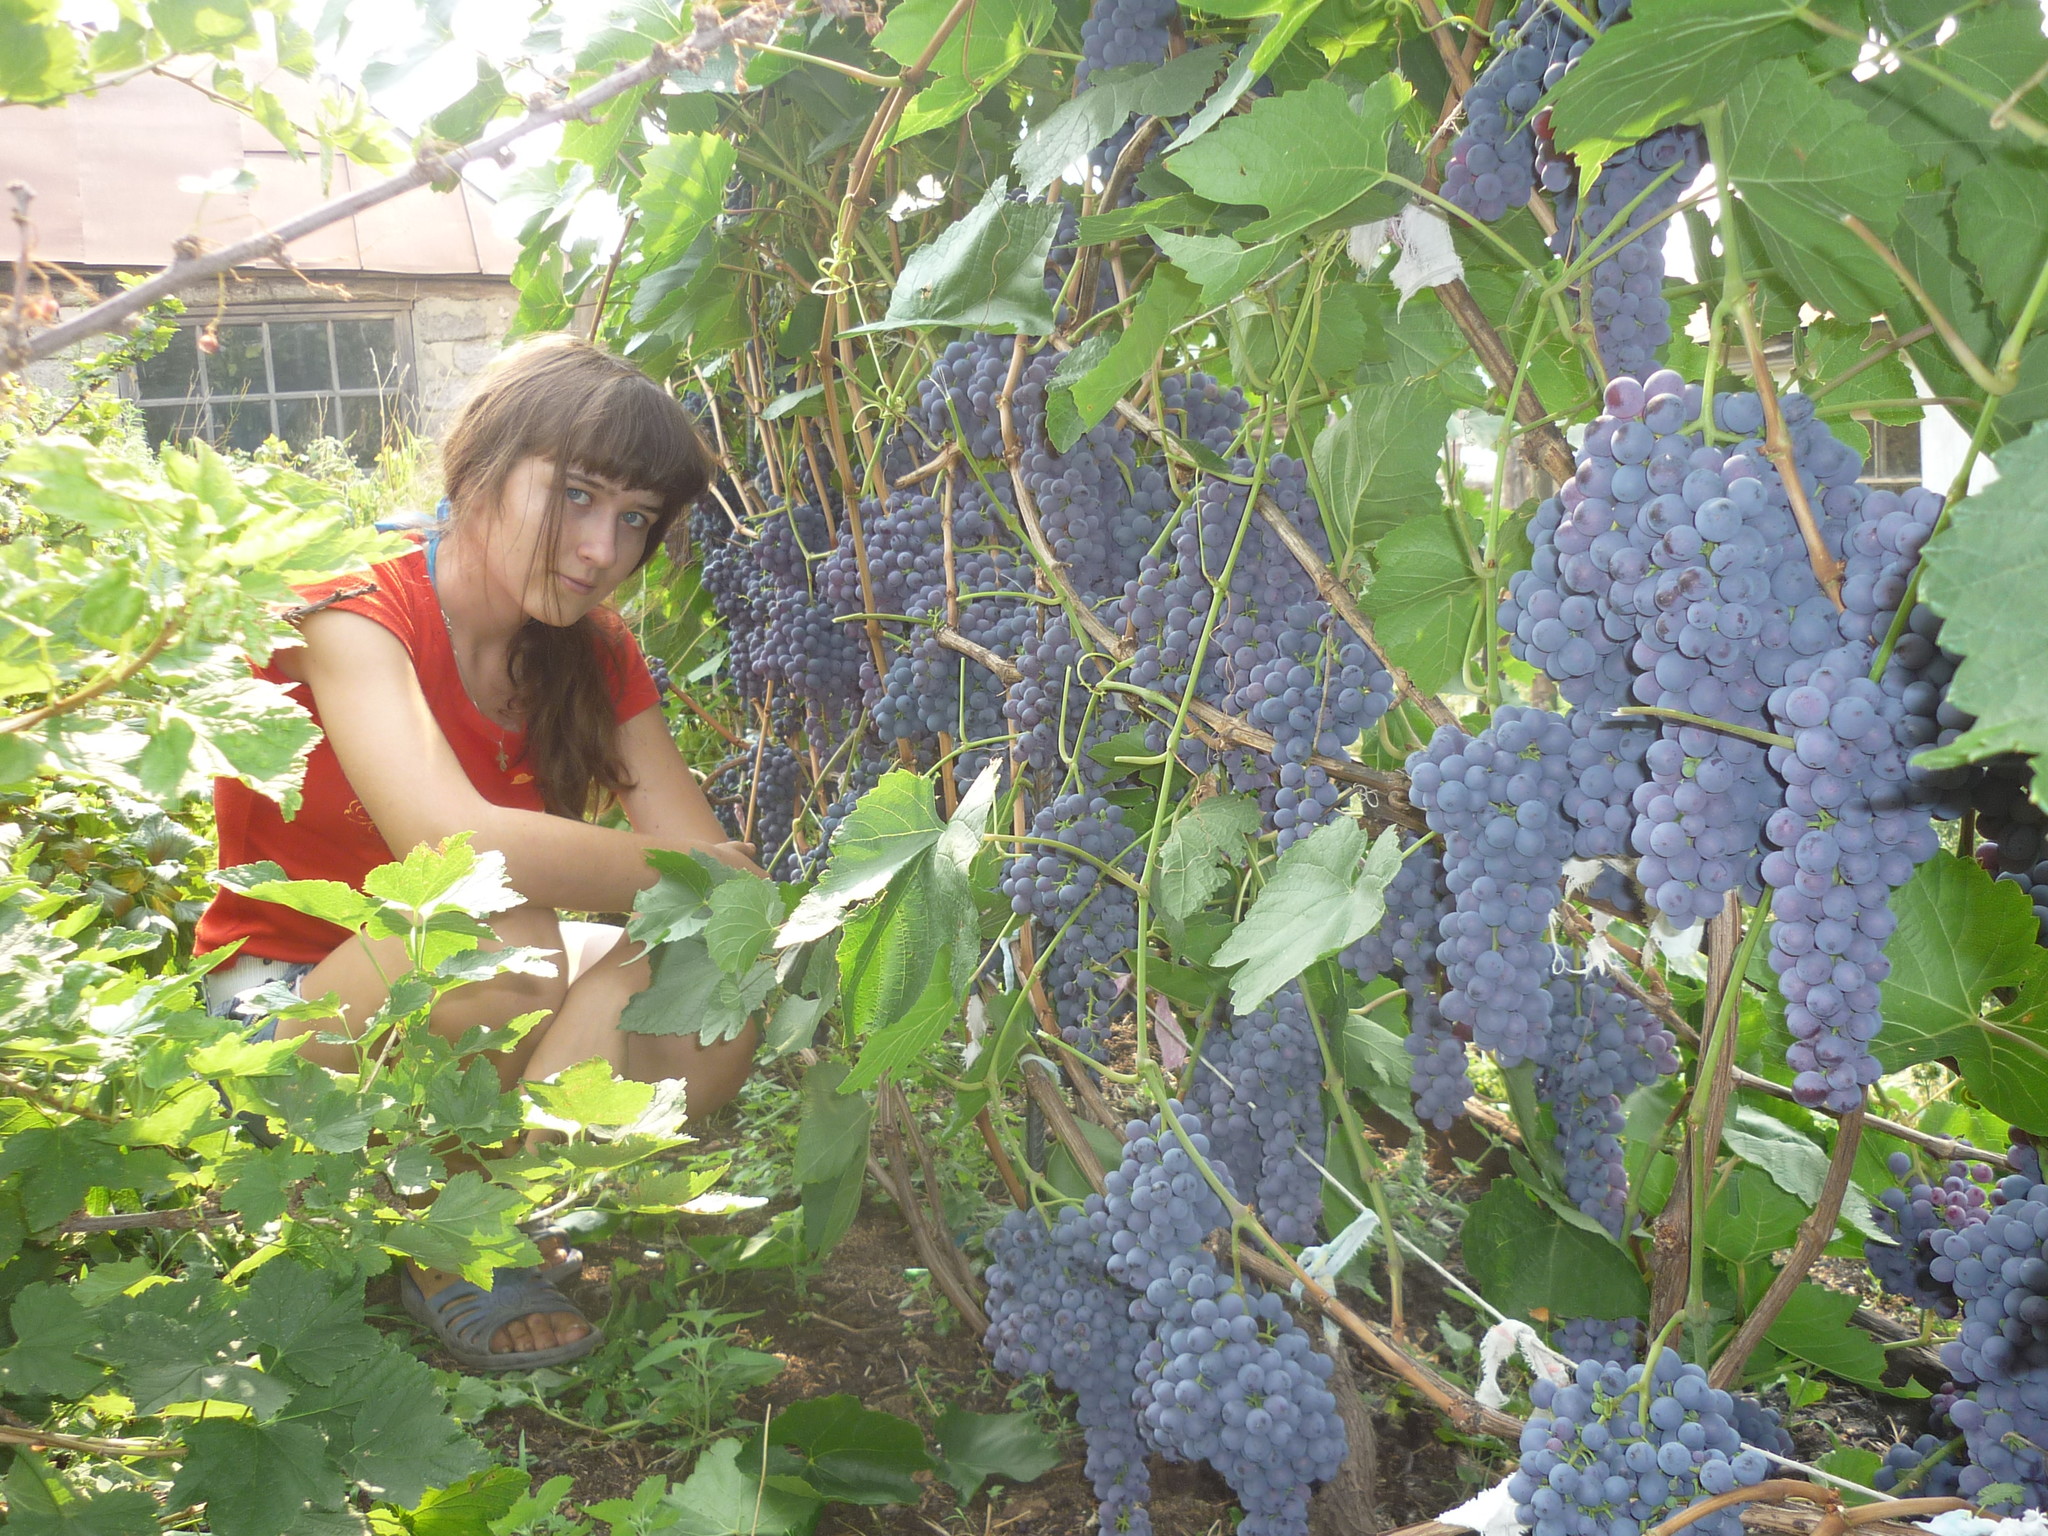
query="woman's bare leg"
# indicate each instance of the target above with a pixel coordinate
(598, 974)
(605, 972)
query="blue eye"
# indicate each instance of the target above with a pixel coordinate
(638, 519)
(576, 491)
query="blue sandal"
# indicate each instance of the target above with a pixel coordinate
(569, 1265)
(465, 1317)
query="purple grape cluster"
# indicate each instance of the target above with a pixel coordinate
(1607, 1341)
(1123, 1304)
(1610, 1454)
(1496, 800)
(1624, 222)
(1846, 838)
(1404, 947)
(776, 792)
(1494, 161)
(1094, 919)
(1600, 1046)
(1926, 1469)
(1258, 1086)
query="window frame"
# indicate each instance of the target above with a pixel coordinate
(403, 391)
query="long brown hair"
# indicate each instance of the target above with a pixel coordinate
(578, 407)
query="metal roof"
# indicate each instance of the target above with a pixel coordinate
(105, 169)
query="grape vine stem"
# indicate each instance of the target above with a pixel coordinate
(1464, 1411)
(1814, 1234)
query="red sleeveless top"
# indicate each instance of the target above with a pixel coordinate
(332, 837)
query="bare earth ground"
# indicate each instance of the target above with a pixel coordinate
(861, 1327)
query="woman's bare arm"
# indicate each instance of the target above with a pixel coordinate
(415, 791)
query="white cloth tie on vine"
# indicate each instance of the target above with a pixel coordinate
(1428, 258)
(1960, 1522)
(1490, 1513)
(1503, 1341)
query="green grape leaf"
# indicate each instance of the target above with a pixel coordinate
(745, 912)
(1377, 465)
(682, 189)
(1426, 600)
(888, 951)
(726, 1495)
(974, 1447)
(829, 1209)
(1218, 263)
(832, 1136)
(39, 57)
(1673, 57)
(1523, 1257)
(1802, 158)
(1984, 571)
(846, 1452)
(690, 995)
(468, 1229)
(678, 904)
(1793, 1163)
(470, 1507)
(1094, 390)
(590, 1094)
(1750, 1217)
(2002, 226)
(984, 272)
(59, 1163)
(389, 1429)
(1960, 935)
(1278, 22)
(49, 1328)
(973, 58)
(1830, 348)
(1326, 892)
(896, 1044)
(257, 1479)
(1202, 846)
(41, 1503)
(307, 1323)
(890, 826)
(1815, 1327)
(1076, 126)
(1301, 155)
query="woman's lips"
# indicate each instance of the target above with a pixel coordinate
(580, 588)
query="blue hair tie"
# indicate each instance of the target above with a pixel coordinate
(443, 511)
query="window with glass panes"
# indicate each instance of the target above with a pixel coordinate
(297, 377)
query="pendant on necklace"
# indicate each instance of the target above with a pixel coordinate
(503, 764)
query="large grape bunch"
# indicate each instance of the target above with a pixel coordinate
(1273, 653)
(1600, 1045)
(1623, 223)
(1201, 1367)
(1227, 1378)
(1091, 917)
(1119, 34)
(1404, 947)
(1493, 161)
(1054, 1311)
(1977, 1248)
(774, 794)
(1671, 572)
(1610, 1454)
(1258, 1086)
(1847, 837)
(1496, 801)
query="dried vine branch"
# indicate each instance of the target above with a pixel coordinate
(757, 21)
(1814, 1234)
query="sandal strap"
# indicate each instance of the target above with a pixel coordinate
(466, 1314)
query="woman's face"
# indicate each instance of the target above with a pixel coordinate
(596, 541)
